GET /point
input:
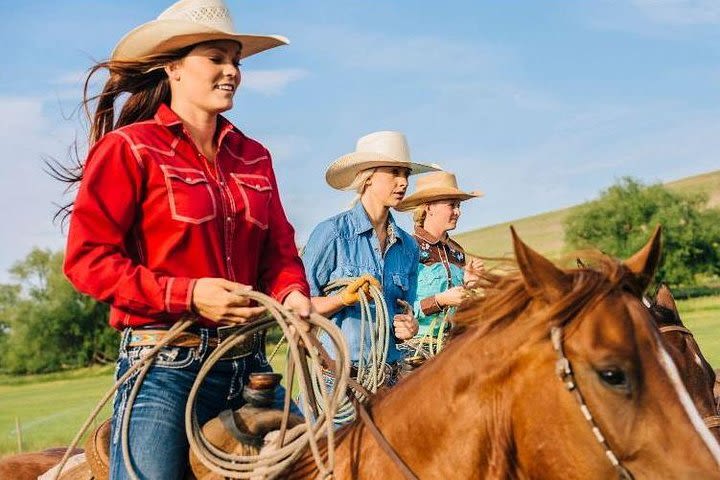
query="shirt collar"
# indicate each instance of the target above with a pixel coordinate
(164, 115)
(426, 236)
(361, 222)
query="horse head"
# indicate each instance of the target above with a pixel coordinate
(697, 374)
(621, 408)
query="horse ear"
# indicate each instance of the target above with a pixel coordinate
(540, 275)
(644, 262)
(664, 298)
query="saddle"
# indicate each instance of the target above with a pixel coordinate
(241, 432)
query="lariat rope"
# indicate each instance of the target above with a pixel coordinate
(289, 444)
(371, 366)
(432, 341)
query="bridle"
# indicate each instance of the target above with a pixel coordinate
(564, 371)
(711, 421)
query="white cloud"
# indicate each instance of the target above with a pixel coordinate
(28, 192)
(271, 82)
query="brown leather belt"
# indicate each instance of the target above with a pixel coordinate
(151, 337)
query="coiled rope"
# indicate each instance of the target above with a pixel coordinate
(371, 366)
(289, 444)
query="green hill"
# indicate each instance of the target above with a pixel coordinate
(545, 232)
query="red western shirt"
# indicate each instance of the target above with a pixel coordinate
(152, 215)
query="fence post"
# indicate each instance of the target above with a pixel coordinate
(18, 433)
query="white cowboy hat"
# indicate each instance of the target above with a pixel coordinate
(377, 149)
(186, 23)
(433, 187)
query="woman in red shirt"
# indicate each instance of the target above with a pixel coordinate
(176, 212)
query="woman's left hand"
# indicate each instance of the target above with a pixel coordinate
(406, 326)
(298, 303)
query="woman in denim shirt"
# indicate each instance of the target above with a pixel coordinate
(444, 267)
(366, 241)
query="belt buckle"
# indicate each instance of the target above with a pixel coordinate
(243, 348)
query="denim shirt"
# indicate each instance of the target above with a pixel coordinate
(346, 246)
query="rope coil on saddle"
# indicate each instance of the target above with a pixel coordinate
(290, 444)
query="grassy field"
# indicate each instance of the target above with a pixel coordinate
(52, 408)
(545, 232)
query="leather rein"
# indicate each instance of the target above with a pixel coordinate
(711, 421)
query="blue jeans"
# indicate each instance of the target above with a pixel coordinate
(157, 442)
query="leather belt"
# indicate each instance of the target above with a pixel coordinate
(151, 337)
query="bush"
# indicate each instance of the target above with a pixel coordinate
(47, 325)
(622, 219)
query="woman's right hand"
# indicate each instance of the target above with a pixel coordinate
(452, 297)
(351, 294)
(217, 299)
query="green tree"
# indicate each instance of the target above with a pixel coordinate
(47, 324)
(621, 220)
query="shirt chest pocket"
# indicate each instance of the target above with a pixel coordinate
(256, 192)
(400, 285)
(189, 194)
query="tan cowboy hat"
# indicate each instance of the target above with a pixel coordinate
(186, 23)
(377, 149)
(436, 186)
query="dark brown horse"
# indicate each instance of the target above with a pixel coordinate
(697, 374)
(492, 405)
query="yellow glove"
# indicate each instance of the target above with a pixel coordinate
(351, 294)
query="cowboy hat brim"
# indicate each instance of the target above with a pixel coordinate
(161, 36)
(342, 172)
(433, 195)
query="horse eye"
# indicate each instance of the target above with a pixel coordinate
(614, 377)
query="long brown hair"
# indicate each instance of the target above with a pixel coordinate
(145, 81)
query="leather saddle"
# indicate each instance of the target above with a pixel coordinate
(241, 432)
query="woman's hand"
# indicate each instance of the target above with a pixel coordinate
(351, 294)
(475, 266)
(298, 303)
(474, 269)
(452, 297)
(406, 326)
(218, 299)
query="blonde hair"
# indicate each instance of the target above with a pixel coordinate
(419, 214)
(359, 184)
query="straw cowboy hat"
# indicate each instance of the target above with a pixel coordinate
(435, 186)
(377, 149)
(186, 23)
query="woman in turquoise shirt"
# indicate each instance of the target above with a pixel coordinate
(365, 242)
(444, 267)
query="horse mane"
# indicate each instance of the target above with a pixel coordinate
(504, 296)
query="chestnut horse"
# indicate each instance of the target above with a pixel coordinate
(492, 405)
(697, 374)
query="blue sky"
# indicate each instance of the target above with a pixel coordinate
(540, 104)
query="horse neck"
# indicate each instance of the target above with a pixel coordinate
(449, 409)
